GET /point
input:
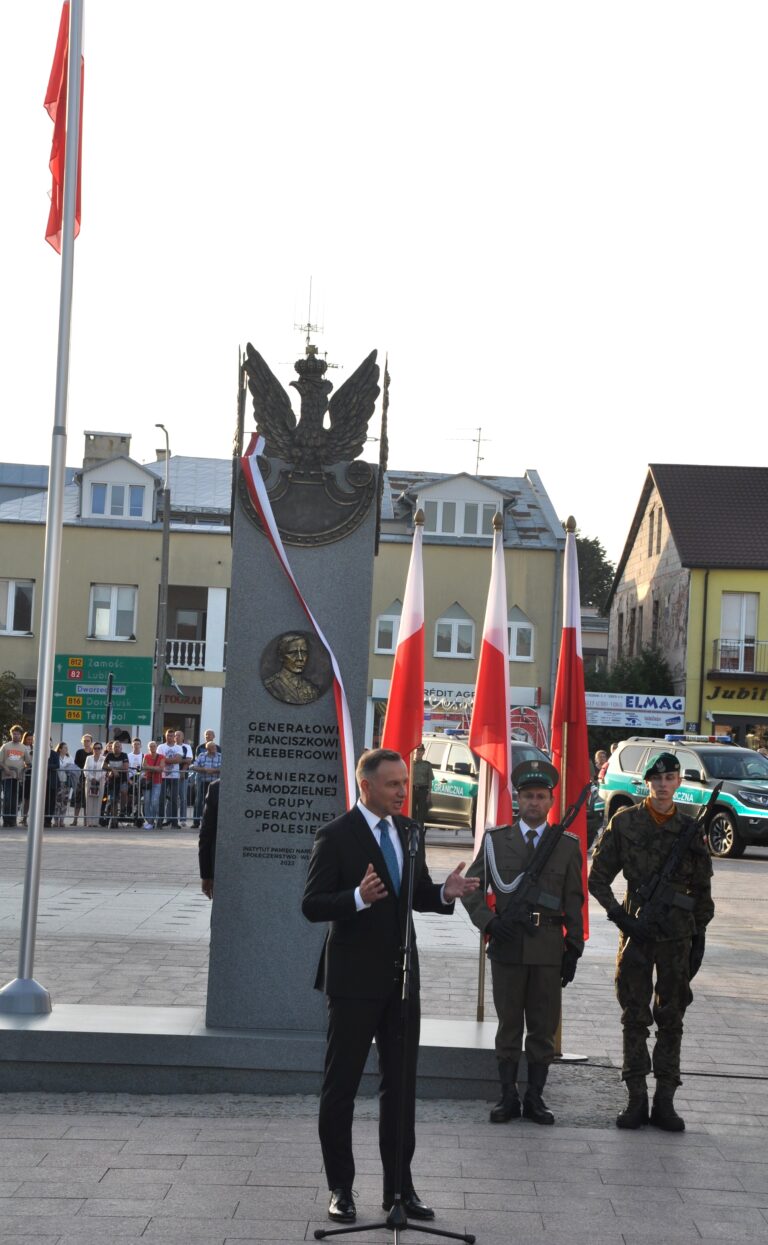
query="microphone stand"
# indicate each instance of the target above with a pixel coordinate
(397, 1219)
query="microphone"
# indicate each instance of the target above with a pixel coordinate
(414, 834)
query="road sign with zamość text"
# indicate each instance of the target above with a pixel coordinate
(80, 688)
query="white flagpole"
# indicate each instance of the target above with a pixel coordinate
(24, 995)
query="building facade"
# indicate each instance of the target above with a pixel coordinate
(692, 582)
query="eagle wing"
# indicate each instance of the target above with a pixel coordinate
(349, 411)
(271, 406)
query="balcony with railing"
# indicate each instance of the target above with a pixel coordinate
(736, 658)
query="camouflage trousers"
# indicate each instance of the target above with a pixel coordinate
(644, 1002)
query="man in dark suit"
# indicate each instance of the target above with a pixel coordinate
(206, 844)
(358, 881)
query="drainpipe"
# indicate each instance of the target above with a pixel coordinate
(703, 651)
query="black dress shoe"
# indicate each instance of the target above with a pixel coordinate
(341, 1206)
(412, 1205)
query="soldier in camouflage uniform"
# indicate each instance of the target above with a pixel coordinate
(636, 843)
(529, 966)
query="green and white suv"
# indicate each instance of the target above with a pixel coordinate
(741, 815)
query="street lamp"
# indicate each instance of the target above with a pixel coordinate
(162, 613)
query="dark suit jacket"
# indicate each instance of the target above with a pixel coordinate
(206, 843)
(361, 954)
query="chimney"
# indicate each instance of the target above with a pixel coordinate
(101, 446)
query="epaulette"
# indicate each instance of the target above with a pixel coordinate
(568, 834)
(495, 829)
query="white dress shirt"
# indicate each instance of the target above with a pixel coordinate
(373, 823)
(537, 830)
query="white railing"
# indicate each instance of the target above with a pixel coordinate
(185, 654)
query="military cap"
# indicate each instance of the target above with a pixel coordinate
(662, 763)
(535, 773)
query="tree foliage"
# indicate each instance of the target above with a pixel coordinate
(11, 693)
(595, 572)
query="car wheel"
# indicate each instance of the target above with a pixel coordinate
(723, 839)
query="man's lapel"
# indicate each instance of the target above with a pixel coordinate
(367, 840)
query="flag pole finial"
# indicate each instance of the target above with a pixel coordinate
(418, 518)
(498, 522)
(570, 524)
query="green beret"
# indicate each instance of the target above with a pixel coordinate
(535, 774)
(662, 763)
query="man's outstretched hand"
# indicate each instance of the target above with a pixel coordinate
(456, 887)
(372, 887)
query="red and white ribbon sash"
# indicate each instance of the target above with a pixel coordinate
(258, 494)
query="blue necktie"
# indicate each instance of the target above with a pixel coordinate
(389, 854)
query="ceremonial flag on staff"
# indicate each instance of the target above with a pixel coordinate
(56, 107)
(404, 720)
(570, 746)
(489, 729)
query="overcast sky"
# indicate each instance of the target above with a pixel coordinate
(552, 215)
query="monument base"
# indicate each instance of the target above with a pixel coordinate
(170, 1050)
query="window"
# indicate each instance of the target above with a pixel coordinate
(655, 623)
(455, 634)
(631, 633)
(650, 532)
(387, 628)
(459, 518)
(629, 757)
(118, 500)
(619, 634)
(639, 628)
(738, 628)
(520, 633)
(112, 612)
(16, 606)
(435, 753)
(659, 517)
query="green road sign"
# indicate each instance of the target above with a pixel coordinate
(80, 689)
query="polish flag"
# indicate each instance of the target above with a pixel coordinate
(56, 107)
(570, 746)
(489, 729)
(404, 720)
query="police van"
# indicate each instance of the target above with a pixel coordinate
(741, 814)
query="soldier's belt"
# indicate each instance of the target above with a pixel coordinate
(545, 918)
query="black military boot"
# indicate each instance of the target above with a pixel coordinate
(534, 1107)
(635, 1114)
(508, 1106)
(663, 1113)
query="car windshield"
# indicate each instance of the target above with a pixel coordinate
(737, 763)
(525, 752)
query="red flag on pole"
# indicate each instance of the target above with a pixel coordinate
(570, 746)
(56, 107)
(489, 729)
(404, 720)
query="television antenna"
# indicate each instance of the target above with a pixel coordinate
(478, 441)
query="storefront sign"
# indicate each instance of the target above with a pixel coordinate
(643, 711)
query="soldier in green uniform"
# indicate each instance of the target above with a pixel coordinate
(636, 843)
(422, 774)
(529, 964)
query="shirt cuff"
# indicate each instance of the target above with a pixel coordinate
(360, 903)
(443, 900)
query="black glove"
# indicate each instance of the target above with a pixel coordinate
(697, 955)
(568, 966)
(497, 929)
(628, 924)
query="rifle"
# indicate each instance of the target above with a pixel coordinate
(658, 896)
(525, 888)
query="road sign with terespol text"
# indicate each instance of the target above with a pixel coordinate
(80, 688)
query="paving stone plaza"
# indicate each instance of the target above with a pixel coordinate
(122, 921)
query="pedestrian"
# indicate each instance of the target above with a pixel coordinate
(209, 736)
(85, 749)
(206, 847)
(358, 882)
(169, 798)
(15, 759)
(422, 775)
(94, 779)
(117, 770)
(153, 765)
(206, 769)
(185, 760)
(530, 963)
(601, 764)
(654, 987)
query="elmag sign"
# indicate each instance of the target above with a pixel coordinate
(642, 710)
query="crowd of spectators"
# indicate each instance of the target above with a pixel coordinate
(113, 783)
